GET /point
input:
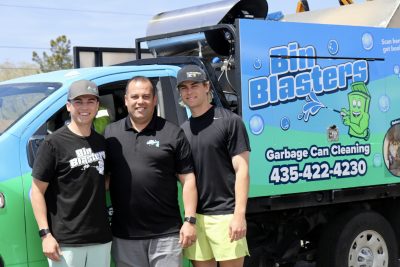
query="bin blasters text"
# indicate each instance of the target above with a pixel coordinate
(294, 73)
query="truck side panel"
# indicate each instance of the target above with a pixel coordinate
(320, 105)
(12, 220)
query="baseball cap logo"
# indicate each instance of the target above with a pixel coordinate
(193, 74)
(92, 89)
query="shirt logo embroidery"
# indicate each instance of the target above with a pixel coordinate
(155, 143)
(85, 156)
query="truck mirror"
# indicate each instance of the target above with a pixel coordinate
(232, 100)
(33, 145)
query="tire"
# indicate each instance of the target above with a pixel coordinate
(358, 239)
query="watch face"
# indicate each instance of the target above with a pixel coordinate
(191, 220)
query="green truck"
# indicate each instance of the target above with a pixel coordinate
(319, 101)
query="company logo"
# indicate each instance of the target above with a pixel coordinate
(92, 89)
(294, 74)
(85, 158)
(155, 143)
(193, 74)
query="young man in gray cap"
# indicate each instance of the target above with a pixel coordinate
(68, 187)
(220, 148)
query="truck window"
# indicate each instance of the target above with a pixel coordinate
(112, 105)
(18, 99)
(112, 97)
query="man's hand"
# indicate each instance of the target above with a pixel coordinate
(237, 228)
(187, 235)
(51, 249)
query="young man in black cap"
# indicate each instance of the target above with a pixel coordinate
(147, 156)
(68, 187)
(220, 148)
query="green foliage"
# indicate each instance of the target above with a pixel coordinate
(10, 70)
(60, 57)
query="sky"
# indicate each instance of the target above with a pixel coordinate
(28, 26)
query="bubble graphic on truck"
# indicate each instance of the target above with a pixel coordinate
(256, 124)
(396, 69)
(384, 103)
(377, 160)
(367, 41)
(257, 64)
(285, 123)
(333, 47)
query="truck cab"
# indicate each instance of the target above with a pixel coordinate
(33, 107)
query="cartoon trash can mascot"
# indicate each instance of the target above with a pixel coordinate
(357, 117)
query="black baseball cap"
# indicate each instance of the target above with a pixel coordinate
(191, 73)
(82, 87)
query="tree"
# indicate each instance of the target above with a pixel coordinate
(60, 58)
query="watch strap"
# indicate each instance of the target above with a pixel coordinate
(43, 232)
(190, 219)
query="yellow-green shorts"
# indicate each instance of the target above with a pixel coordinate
(213, 240)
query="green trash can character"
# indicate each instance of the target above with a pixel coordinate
(357, 117)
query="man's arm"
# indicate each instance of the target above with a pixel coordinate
(238, 227)
(189, 195)
(49, 245)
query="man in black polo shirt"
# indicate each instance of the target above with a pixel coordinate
(221, 147)
(146, 154)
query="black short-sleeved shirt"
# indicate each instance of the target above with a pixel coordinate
(215, 137)
(144, 167)
(75, 197)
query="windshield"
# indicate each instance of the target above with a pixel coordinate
(18, 99)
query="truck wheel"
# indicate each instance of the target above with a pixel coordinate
(363, 239)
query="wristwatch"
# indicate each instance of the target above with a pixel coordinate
(43, 232)
(190, 219)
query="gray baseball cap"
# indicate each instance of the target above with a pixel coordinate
(82, 87)
(191, 73)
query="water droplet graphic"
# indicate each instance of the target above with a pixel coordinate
(384, 103)
(256, 124)
(367, 41)
(333, 47)
(311, 107)
(285, 123)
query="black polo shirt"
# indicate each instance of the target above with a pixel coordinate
(144, 167)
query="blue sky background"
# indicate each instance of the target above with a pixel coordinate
(28, 26)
